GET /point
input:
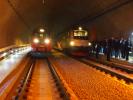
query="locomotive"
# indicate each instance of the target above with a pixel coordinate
(40, 41)
(75, 42)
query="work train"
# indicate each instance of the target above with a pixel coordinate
(40, 41)
(75, 42)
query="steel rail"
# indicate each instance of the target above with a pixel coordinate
(63, 91)
(119, 76)
(112, 65)
(27, 75)
(21, 91)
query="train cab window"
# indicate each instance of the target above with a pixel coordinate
(41, 35)
(80, 34)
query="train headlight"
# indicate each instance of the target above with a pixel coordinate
(89, 44)
(47, 41)
(42, 30)
(36, 40)
(72, 43)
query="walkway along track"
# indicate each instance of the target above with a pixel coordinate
(24, 86)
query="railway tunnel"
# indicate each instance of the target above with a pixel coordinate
(66, 50)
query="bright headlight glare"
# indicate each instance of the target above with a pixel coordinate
(36, 40)
(72, 43)
(89, 44)
(42, 30)
(47, 41)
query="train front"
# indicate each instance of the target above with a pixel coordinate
(41, 42)
(79, 42)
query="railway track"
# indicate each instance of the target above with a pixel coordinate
(40, 81)
(105, 68)
(90, 83)
(121, 72)
(124, 68)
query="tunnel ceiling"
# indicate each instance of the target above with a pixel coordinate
(18, 18)
(58, 15)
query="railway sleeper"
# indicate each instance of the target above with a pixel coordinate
(127, 80)
(112, 65)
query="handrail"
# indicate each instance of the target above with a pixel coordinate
(11, 47)
(6, 84)
(7, 48)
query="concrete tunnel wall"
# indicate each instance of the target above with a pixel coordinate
(117, 23)
(12, 29)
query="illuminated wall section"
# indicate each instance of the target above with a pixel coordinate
(10, 25)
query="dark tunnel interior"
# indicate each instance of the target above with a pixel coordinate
(110, 18)
(66, 49)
